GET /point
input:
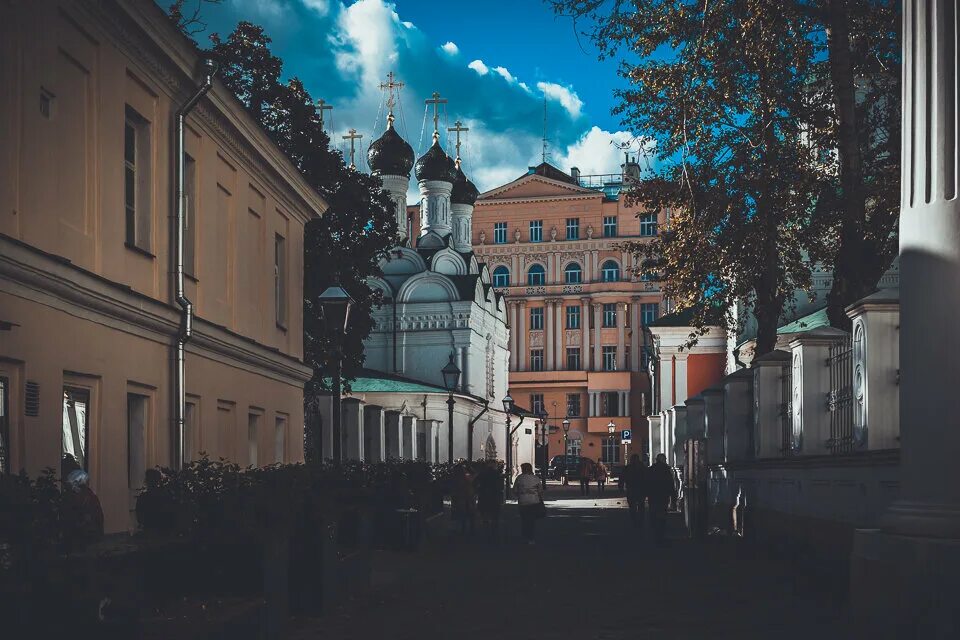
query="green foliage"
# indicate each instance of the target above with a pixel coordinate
(740, 98)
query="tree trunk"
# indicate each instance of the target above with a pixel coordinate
(850, 265)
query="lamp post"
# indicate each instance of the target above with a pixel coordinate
(507, 408)
(336, 303)
(611, 432)
(545, 446)
(566, 448)
(451, 378)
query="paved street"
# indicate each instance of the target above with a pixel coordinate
(588, 578)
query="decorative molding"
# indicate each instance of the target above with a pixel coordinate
(536, 338)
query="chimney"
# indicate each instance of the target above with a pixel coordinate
(575, 173)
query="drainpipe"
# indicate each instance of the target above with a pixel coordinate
(486, 405)
(209, 67)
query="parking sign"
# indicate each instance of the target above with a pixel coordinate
(626, 436)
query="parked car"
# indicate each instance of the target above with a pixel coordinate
(557, 464)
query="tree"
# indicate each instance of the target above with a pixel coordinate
(347, 243)
(722, 88)
(839, 64)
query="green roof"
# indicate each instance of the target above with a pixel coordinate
(365, 384)
(810, 321)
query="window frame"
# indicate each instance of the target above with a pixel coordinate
(573, 229)
(137, 182)
(541, 273)
(573, 360)
(499, 238)
(536, 231)
(607, 273)
(536, 318)
(501, 271)
(567, 271)
(536, 360)
(280, 285)
(579, 405)
(648, 225)
(608, 357)
(573, 311)
(609, 313)
(645, 309)
(138, 451)
(537, 403)
(610, 222)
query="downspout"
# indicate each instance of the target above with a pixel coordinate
(486, 405)
(186, 316)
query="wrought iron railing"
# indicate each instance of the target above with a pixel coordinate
(840, 398)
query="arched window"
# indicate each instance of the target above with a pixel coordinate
(610, 271)
(572, 273)
(536, 276)
(501, 277)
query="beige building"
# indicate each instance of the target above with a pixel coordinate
(88, 316)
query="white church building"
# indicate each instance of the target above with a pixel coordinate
(439, 307)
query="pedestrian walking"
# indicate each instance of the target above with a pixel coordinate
(635, 483)
(489, 485)
(586, 472)
(660, 490)
(463, 499)
(600, 475)
(529, 494)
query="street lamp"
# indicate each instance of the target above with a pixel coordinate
(451, 378)
(566, 448)
(611, 431)
(507, 408)
(545, 446)
(335, 304)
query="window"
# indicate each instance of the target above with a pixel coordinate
(649, 276)
(610, 315)
(280, 279)
(4, 425)
(189, 432)
(609, 358)
(536, 359)
(572, 273)
(609, 226)
(253, 438)
(610, 451)
(136, 180)
(609, 404)
(138, 414)
(280, 439)
(500, 233)
(644, 358)
(536, 231)
(536, 276)
(573, 317)
(574, 448)
(501, 277)
(573, 405)
(649, 312)
(190, 215)
(648, 224)
(573, 228)
(76, 420)
(536, 318)
(573, 358)
(610, 272)
(536, 403)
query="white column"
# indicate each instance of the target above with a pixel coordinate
(373, 431)
(666, 381)
(696, 418)
(653, 435)
(767, 386)
(409, 441)
(811, 386)
(585, 354)
(514, 332)
(679, 434)
(622, 363)
(680, 376)
(597, 323)
(636, 333)
(559, 333)
(352, 415)
(738, 415)
(713, 424)
(626, 404)
(522, 335)
(393, 435)
(549, 339)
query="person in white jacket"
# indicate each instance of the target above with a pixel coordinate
(529, 494)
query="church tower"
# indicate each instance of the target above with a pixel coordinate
(391, 158)
(462, 199)
(436, 174)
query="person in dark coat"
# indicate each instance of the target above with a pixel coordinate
(586, 474)
(635, 482)
(660, 490)
(489, 484)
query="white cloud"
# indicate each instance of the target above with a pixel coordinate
(597, 151)
(566, 96)
(321, 7)
(523, 85)
(450, 48)
(509, 77)
(365, 40)
(479, 67)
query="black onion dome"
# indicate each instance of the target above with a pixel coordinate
(390, 155)
(435, 164)
(464, 191)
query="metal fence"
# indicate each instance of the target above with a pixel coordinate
(788, 440)
(840, 399)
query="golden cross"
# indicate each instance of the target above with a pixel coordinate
(321, 107)
(352, 136)
(436, 102)
(390, 85)
(458, 127)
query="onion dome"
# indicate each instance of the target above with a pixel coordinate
(390, 155)
(464, 191)
(435, 164)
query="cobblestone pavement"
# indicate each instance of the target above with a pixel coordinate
(589, 577)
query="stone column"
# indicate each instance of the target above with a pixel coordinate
(352, 415)
(597, 325)
(767, 371)
(626, 404)
(549, 340)
(680, 377)
(622, 363)
(738, 415)
(522, 335)
(665, 379)
(696, 417)
(514, 332)
(373, 430)
(653, 435)
(559, 335)
(393, 435)
(811, 386)
(585, 352)
(409, 431)
(636, 333)
(713, 424)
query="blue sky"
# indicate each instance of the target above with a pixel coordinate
(493, 60)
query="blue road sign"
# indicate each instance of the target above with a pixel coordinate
(626, 436)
